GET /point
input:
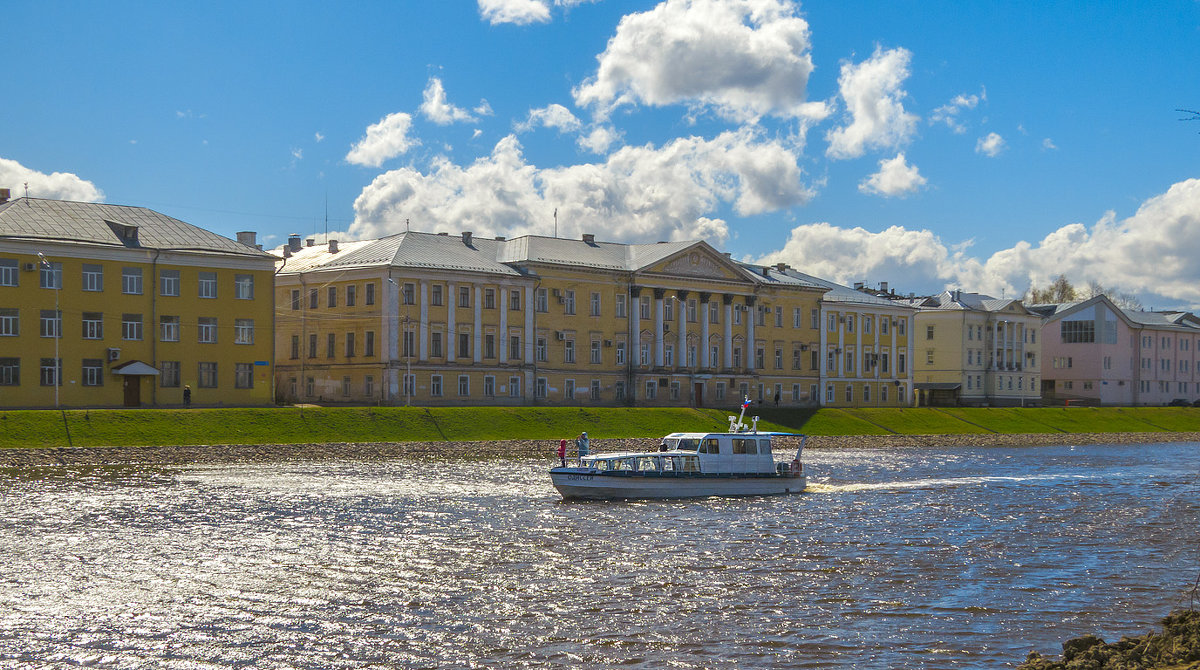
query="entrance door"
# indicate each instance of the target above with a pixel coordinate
(698, 393)
(133, 391)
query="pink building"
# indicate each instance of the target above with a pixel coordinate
(1096, 353)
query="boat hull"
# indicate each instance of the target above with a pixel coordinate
(581, 483)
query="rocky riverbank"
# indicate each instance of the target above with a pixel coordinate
(263, 453)
(1177, 647)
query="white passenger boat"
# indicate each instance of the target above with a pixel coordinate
(739, 462)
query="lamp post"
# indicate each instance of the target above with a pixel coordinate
(57, 324)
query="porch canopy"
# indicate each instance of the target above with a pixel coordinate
(134, 368)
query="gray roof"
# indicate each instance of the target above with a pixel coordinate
(833, 292)
(91, 223)
(963, 301)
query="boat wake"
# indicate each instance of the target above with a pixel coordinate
(825, 486)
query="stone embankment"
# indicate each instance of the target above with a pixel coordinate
(263, 453)
(1177, 647)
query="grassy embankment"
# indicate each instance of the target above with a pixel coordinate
(294, 425)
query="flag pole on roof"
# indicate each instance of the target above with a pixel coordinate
(556, 223)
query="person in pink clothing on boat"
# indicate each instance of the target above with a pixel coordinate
(562, 452)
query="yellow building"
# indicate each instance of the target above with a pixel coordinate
(106, 305)
(436, 319)
(972, 349)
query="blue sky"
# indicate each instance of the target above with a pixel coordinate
(982, 146)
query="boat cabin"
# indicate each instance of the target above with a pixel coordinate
(707, 453)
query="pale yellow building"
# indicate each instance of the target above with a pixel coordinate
(107, 305)
(438, 319)
(972, 349)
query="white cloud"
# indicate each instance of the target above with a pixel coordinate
(742, 58)
(638, 194)
(384, 140)
(872, 93)
(599, 139)
(520, 12)
(297, 154)
(990, 145)
(436, 109)
(895, 178)
(949, 112)
(54, 186)
(1048, 144)
(483, 108)
(1150, 254)
(318, 136)
(550, 116)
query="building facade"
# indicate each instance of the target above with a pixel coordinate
(972, 349)
(1098, 353)
(109, 306)
(431, 319)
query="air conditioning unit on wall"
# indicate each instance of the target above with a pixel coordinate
(113, 354)
(559, 335)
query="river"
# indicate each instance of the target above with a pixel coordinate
(894, 558)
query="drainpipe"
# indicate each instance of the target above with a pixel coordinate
(274, 319)
(153, 322)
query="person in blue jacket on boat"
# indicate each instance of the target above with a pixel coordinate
(582, 446)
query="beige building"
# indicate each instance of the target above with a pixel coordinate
(437, 319)
(972, 349)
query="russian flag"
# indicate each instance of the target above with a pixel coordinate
(745, 403)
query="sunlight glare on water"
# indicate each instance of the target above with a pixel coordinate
(921, 558)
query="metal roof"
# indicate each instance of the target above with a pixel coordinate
(833, 292)
(100, 224)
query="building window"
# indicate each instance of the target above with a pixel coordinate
(207, 378)
(737, 357)
(408, 295)
(309, 387)
(542, 300)
(759, 358)
(883, 387)
(620, 355)
(464, 385)
(464, 345)
(619, 391)
(883, 330)
(929, 356)
(168, 283)
(10, 324)
(369, 345)
(675, 391)
(131, 281)
(714, 356)
(849, 393)
(651, 390)
(514, 387)
(295, 347)
(131, 326)
(410, 385)
(779, 358)
(331, 301)
(51, 372)
(168, 374)
(668, 355)
(312, 298)
(93, 372)
(541, 349)
(539, 388)
(594, 357)
(569, 303)
(569, 389)
(489, 345)
(514, 300)
(51, 323)
(435, 345)
(50, 275)
(900, 366)
(10, 372)
(514, 347)
(330, 345)
(619, 305)
(370, 298)
(569, 351)
(435, 386)
(369, 385)
(93, 277)
(208, 286)
(644, 308)
(346, 381)
(243, 375)
(489, 386)
(1078, 332)
(8, 275)
(779, 317)
(349, 345)
(720, 395)
(295, 299)
(489, 298)
(312, 346)
(594, 304)
(691, 311)
(206, 329)
(168, 328)
(351, 296)
(714, 312)
(464, 296)
(243, 331)
(901, 329)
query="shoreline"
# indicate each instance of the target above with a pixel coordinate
(268, 453)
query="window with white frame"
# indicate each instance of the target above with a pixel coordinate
(514, 300)
(675, 391)
(569, 389)
(644, 307)
(514, 387)
(435, 386)
(595, 352)
(619, 391)
(691, 311)
(594, 304)
(540, 350)
(93, 372)
(720, 393)
(168, 283)
(489, 298)
(168, 328)
(243, 376)
(131, 326)
(542, 301)
(207, 375)
(50, 275)
(206, 330)
(539, 387)
(207, 287)
(464, 385)
(131, 281)
(8, 272)
(620, 355)
(51, 370)
(714, 312)
(435, 295)
(489, 386)
(651, 390)
(568, 351)
(93, 277)
(619, 301)
(10, 322)
(243, 331)
(168, 374)
(569, 302)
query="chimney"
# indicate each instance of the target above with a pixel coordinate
(466, 237)
(781, 266)
(858, 286)
(4, 195)
(309, 242)
(883, 286)
(287, 252)
(294, 242)
(766, 270)
(589, 238)
(247, 237)
(333, 246)
(499, 238)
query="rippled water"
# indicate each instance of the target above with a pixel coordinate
(929, 558)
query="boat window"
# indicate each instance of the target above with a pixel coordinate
(686, 444)
(690, 464)
(739, 445)
(764, 446)
(623, 464)
(600, 464)
(668, 463)
(710, 446)
(647, 464)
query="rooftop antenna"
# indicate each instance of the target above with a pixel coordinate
(27, 195)
(406, 225)
(555, 223)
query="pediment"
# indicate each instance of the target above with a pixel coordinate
(698, 261)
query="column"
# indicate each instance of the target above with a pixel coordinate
(635, 326)
(477, 353)
(751, 316)
(423, 336)
(451, 335)
(681, 320)
(658, 327)
(530, 332)
(704, 362)
(502, 295)
(727, 303)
